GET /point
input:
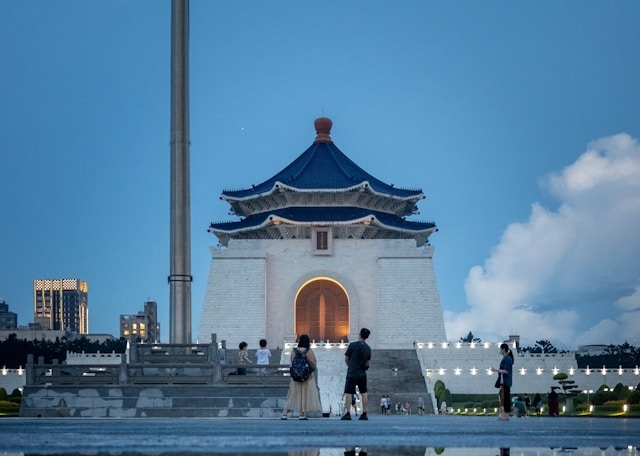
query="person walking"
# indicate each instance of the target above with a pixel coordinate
(420, 406)
(506, 372)
(357, 359)
(303, 396)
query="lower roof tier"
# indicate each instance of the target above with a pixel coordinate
(346, 222)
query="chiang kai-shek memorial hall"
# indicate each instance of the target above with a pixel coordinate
(322, 248)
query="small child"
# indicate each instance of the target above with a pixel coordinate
(262, 356)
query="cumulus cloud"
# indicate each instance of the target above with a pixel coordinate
(569, 274)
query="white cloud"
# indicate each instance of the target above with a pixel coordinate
(571, 274)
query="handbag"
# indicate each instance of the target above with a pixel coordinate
(498, 381)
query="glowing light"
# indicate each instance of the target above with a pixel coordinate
(523, 371)
(458, 370)
(442, 371)
(430, 345)
(444, 345)
(604, 370)
(4, 370)
(539, 371)
(571, 371)
(486, 345)
(489, 372)
(636, 371)
(474, 371)
(620, 370)
(555, 370)
(458, 345)
(625, 408)
(588, 372)
(472, 345)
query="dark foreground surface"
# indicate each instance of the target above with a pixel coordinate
(381, 435)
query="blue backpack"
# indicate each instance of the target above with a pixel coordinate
(300, 369)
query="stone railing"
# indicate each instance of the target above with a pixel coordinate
(203, 364)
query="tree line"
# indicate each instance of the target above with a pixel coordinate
(14, 351)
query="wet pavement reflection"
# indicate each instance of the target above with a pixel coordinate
(398, 436)
(391, 451)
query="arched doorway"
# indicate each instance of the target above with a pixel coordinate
(322, 311)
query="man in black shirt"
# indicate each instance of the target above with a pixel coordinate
(357, 359)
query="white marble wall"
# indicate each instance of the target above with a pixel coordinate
(464, 369)
(390, 285)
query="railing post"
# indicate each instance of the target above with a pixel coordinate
(133, 353)
(55, 371)
(216, 374)
(123, 374)
(30, 371)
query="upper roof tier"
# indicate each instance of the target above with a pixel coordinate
(322, 168)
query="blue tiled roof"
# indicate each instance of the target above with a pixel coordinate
(323, 167)
(320, 215)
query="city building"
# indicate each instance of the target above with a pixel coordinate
(61, 304)
(8, 320)
(323, 248)
(143, 326)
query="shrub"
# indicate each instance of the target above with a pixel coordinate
(9, 408)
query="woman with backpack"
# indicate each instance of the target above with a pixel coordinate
(303, 394)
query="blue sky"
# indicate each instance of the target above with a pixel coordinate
(518, 120)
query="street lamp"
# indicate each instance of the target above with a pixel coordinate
(587, 392)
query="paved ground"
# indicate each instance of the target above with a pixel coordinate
(392, 435)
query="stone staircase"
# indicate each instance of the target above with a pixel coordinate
(397, 373)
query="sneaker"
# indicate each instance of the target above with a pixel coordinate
(363, 417)
(303, 417)
(283, 417)
(346, 417)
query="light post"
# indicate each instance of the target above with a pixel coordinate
(588, 392)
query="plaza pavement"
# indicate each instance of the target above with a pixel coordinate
(388, 435)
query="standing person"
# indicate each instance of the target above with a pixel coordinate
(243, 358)
(554, 403)
(537, 403)
(420, 405)
(263, 354)
(506, 371)
(303, 396)
(357, 359)
(383, 405)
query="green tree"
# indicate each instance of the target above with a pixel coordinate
(569, 387)
(546, 346)
(470, 338)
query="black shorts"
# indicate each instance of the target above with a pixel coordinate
(352, 382)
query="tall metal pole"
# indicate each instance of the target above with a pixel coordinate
(180, 276)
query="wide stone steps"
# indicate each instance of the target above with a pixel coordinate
(396, 373)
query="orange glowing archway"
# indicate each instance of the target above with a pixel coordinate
(322, 310)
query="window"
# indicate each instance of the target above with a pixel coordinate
(322, 241)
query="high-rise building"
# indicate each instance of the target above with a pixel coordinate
(61, 304)
(8, 320)
(143, 326)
